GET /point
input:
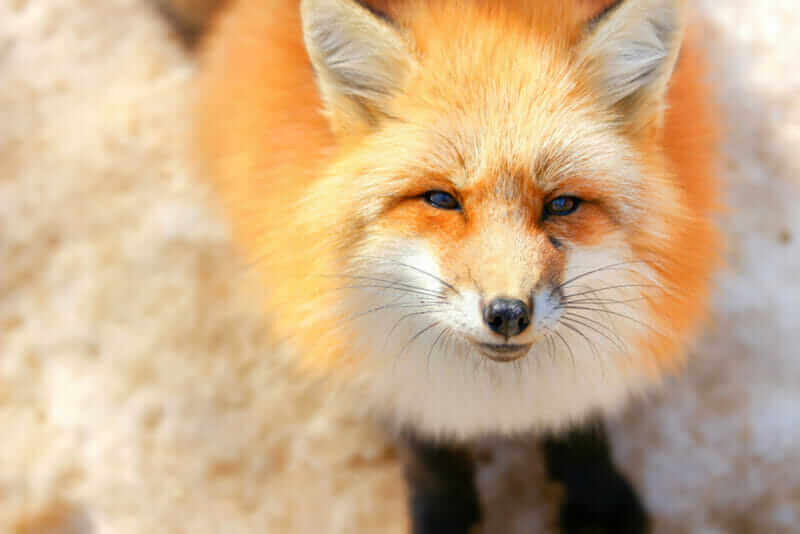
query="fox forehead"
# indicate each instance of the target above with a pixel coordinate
(528, 147)
(550, 146)
(502, 106)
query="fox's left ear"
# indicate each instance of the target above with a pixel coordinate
(359, 57)
(630, 52)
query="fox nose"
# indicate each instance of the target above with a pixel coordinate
(507, 317)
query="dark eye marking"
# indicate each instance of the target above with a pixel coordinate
(441, 200)
(563, 205)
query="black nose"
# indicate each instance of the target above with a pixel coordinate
(507, 317)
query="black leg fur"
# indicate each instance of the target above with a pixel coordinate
(598, 499)
(442, 495)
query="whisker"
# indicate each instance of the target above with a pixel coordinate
(395, 288)
(622, 315)
(393, 306)
(593, 271)
(571, 354)
(422, 271)
(447, 342)
(565, 317)
(433, 345)
(551, 346)
(601, 302)
(416, 336)
(389, 283)
(619, 342)
(592, 346)
(609, 288)
(401, 319)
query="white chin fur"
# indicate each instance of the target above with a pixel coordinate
(422, 373)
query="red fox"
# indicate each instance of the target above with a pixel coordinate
(487, 217)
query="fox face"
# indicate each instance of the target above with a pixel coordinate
(493, 246)
(485, 281)
(502, 219)
(516, 226)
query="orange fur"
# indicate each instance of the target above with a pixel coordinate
(301, 201)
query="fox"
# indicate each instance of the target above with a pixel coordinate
(485, 218)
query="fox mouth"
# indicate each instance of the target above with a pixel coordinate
(504, 352)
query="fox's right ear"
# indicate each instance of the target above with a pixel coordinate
(359, 58)
(631, 51)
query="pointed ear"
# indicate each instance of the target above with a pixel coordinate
(359, 58)
(631, 50)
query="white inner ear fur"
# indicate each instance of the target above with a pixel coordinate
(632, 50)
(360, 59)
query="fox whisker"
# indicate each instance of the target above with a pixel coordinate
(592, 346)
(572, 320)
(417, 336)
(393, 307)
(610, 288)
(610, 267)
(397, 289)
(604, 302)
(389, 284)
(571, 354)
(403, 318)
(433, 346)
(412, 267)
(618, 342)
(617, 314)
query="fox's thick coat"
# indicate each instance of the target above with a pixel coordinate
(323, 125)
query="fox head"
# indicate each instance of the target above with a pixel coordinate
(514, 246)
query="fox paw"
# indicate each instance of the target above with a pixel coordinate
(617, 510)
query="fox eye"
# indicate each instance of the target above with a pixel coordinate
(563, 205)
(441, 200)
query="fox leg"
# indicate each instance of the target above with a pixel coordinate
(598, 498)
(443, 498)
